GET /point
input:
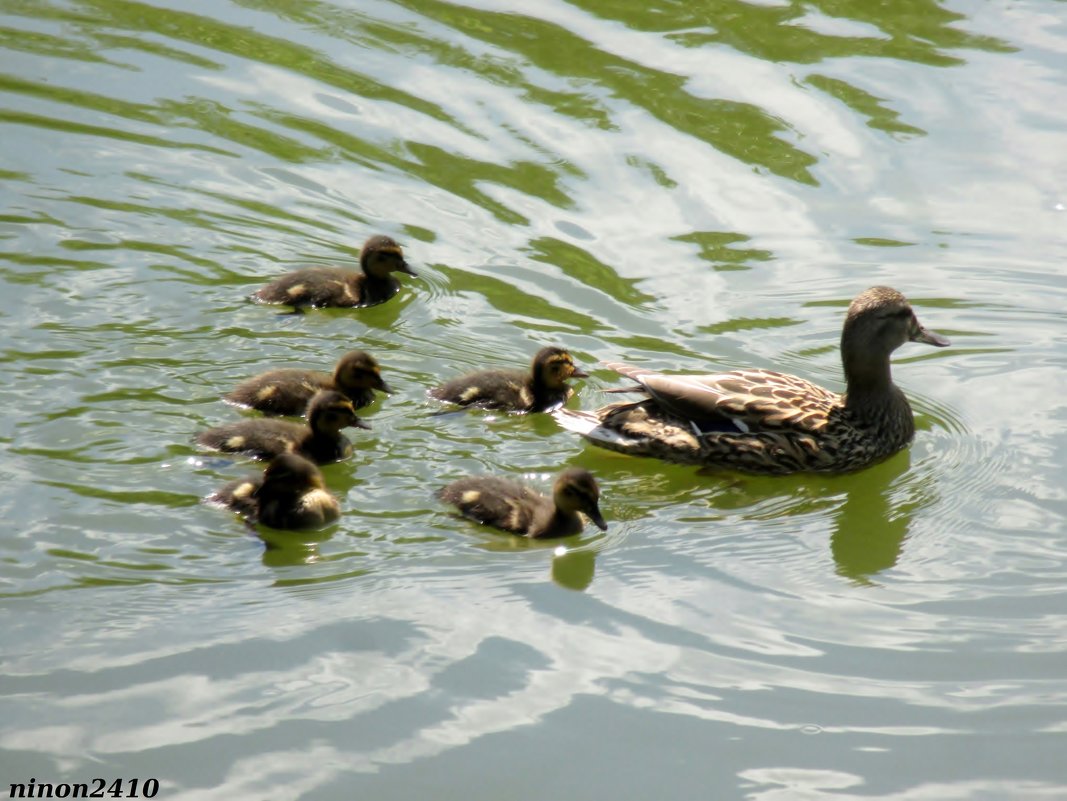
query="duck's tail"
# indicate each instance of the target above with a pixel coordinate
(577, 421)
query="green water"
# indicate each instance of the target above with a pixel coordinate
(691, 185)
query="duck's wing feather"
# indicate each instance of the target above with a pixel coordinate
(749, 400)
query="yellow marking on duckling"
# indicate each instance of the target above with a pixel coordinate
(470, 394)
(295, 289)
(514, 519)
(243, 490)
(266, 392)
(235, 442)
(318, 500)
(470, 496)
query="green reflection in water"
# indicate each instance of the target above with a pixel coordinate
(247, 43)
(912, 30)
(48, 46)
(586, 268)
(460, 175)
(511, 301)
(717, 248)
(352, 26)
(865, 105)
(741, 130)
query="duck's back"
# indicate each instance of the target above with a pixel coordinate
(749, 400)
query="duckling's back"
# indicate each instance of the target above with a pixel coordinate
(316, 287)
(314, 508)
(283, 392)
(495, 501)
(488, 389)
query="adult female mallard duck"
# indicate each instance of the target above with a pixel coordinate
(515, 507)
(760, 421)
(288, 390)
(290, 493)
(541, 389)
(320, 440)
(318, 287)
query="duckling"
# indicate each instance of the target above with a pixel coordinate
(541, 389)
(760, 421)
(318, 287)
(515, 507)
(288, 390)
(290, 493)
(320, 440)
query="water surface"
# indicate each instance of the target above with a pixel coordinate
(689, 185)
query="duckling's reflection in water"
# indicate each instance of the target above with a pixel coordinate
(573, 569)
(292, 548)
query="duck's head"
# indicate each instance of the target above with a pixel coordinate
(382, 255)
(576, 491)
(358, 370)
(330, 411)
(553, 366)
(878, 322)
(290, 474)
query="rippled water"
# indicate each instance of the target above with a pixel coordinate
(685, 184)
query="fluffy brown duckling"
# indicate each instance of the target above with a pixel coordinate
(288, 390)
(318, 287)
(515, 507)
(290, 493)
(320, 440)
(541, 389)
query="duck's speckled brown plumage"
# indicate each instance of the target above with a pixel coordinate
(518, 509)
(319, 287)
(542, 388)
(287, 391)
(762, 421)
(320, 440)
(290, 494)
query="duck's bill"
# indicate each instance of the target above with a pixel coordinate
(929, 338)
(406, 268)
(598, 519)
(579, 373)
(384, 387)
(358, 423)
